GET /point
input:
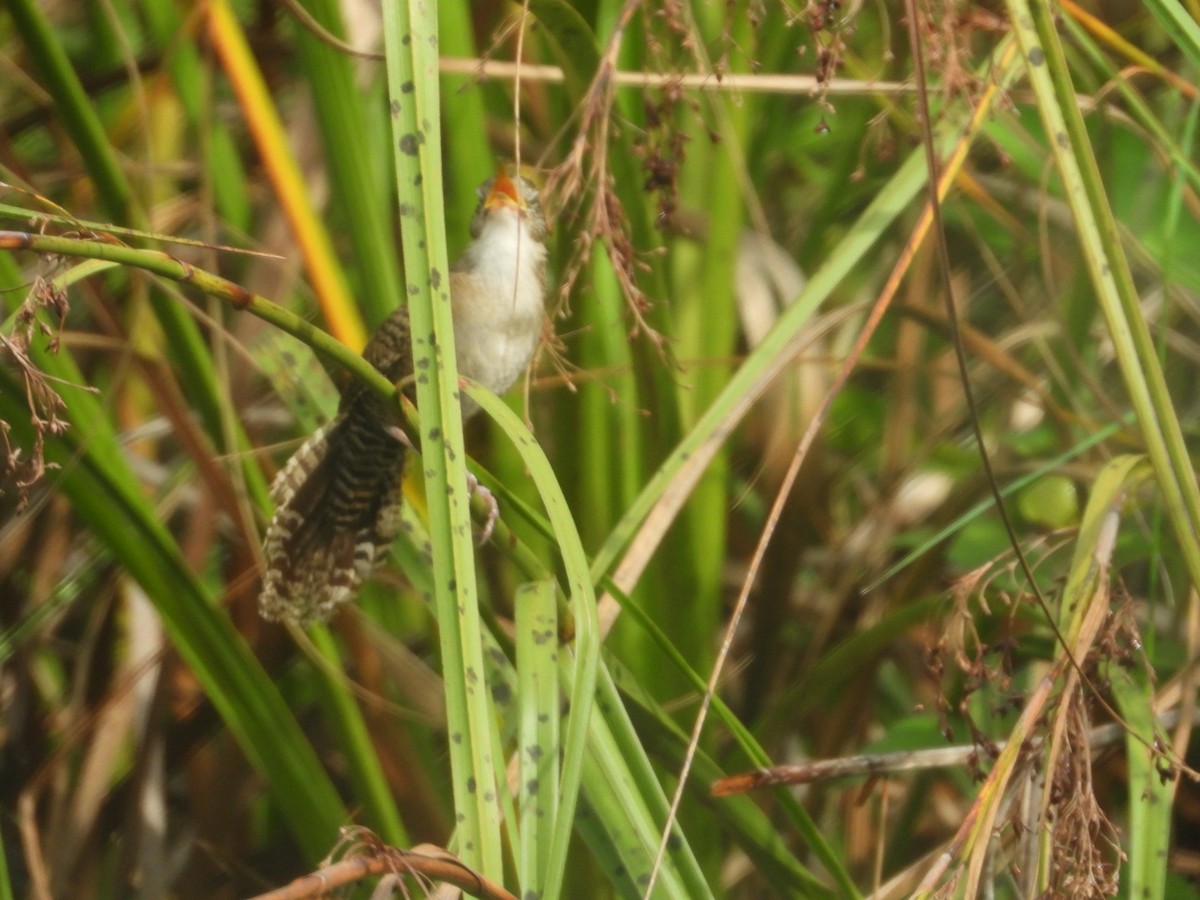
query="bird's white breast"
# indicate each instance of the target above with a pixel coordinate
(497, 294)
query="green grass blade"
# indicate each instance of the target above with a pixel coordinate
(361, 757)
(1110, 273)
(462, 114)
(620, 784)
(410, 39)
(1180, 25)
(582, 684)
(354, 136)
(75, 109)
(1151, 796)
(226, 173)
(538, 742)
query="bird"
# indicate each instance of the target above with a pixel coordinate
(338, 498)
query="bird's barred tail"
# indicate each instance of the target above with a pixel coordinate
(337, 510)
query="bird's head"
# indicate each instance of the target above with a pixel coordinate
(502, 195)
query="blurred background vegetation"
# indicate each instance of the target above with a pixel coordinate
(754, 489)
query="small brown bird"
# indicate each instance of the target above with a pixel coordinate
(338, 497)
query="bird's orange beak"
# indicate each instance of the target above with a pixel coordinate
(503, 192)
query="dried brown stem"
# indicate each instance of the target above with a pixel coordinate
(370, 857)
